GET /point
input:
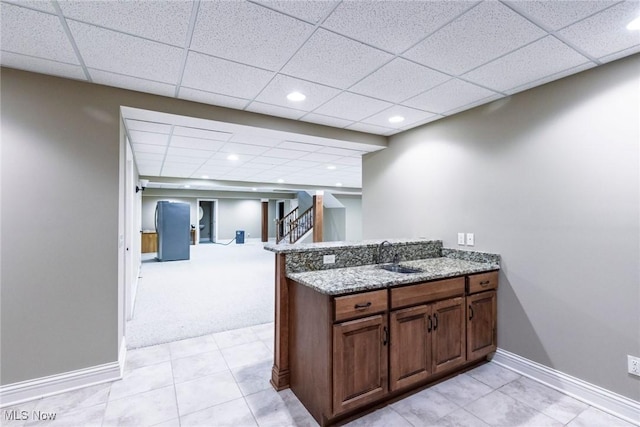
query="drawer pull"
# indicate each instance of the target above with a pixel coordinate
(362, 306)
(470, 312)
(485, 283)
(430, 324)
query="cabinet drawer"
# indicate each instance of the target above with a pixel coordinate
(483, 282)
(359, 305)
(426, 292)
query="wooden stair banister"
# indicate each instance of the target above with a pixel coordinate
(294, 226)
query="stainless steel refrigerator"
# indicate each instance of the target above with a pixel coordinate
(174, 230)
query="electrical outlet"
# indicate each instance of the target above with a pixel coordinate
(633, 365)
(248, 235)
(329, 259)
(470, 239)
(461, 239)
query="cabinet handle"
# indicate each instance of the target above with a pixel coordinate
(430, 323)
(435, 323)
(485, 283)
(384, 335)
(470, 312)
(362, 306)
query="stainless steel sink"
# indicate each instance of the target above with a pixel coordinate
(395, 268)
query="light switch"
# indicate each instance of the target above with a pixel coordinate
(461, 239)
(470, 239)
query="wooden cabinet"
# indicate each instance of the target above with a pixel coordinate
(359, 362)
(481, 324)
(429, 338)
(149, 241)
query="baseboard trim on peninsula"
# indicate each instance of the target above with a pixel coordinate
(613, 403)
(24, 391)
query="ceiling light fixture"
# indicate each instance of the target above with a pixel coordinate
(205, 176)
(254, 189)
(280, 181)
(634, 25)
(338, 184)
(187, 186)
(331, 167)
(396, 119)
(296, 97)
(232, 157)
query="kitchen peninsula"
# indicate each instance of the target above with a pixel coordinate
(358, 324)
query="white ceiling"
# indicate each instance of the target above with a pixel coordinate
(358, 63)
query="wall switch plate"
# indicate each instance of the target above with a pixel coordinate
(470, 239)
(633, 365)
(461, 239)
(329, 259)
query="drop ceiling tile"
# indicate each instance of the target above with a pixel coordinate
(326, 120)
(131, 83)
(139, 137)
(149, 148)
(193, 132)
(306, 164)
(258, 166)
(223, 158)
(223, 77)
(184, 160)
(286, 168)
(176, 173)
(156, 157)
(605, 33)
(255, 139)
(284, 154)
(267, 161)
(487, 31)
(33, 33)
(136, 57)
(195, 143)
(398, 80)
(367, 128)
(352, 106)
(411, 115)
(310, 11)
(188, 152)
(452, 94)
(277, 90)
(393, 25)
(473, 104)
(320, 158)
(301, 146)
(523, 66)
(149, 170)
(204, 97)
(419, 123)
(233, 147)
(146, 126)
(274, 110)
(341, 152)
(212, 172)
(551, 78)
(333, 60)
(618, 55)
(163, 21)
(248, 33)
(553, 15)
(38, 65)
(42, 5)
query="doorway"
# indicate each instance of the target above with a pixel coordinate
(280, 215)
(207, 214)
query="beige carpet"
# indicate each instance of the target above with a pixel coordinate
(218, 289)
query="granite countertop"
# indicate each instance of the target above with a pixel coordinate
(369, 277)
(286, 248)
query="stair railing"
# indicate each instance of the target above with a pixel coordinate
(292, 227)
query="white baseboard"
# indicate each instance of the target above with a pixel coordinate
(613, 403)
(24, 391)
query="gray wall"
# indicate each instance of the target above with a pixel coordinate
(550, 180)
(333, 224)
(61, 146)
(353, 216)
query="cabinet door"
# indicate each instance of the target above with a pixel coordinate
(481, 324)
(410, 346)
(359, 362)
(448, 335)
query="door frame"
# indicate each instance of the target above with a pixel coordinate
(215, 219)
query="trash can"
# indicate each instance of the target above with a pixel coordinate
(239, 237)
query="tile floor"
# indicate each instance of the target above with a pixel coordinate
(223, 380)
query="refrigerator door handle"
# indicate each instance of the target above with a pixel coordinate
(156, 219)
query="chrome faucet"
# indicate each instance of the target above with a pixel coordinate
(380, 247)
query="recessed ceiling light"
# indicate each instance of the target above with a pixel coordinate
(296, 97)
(232, 157)
(280, 181)
(338, 184)
(254, 189)
(331, 167)
(396, 119)
(205, 176)
(634, 25)
(187, 186)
